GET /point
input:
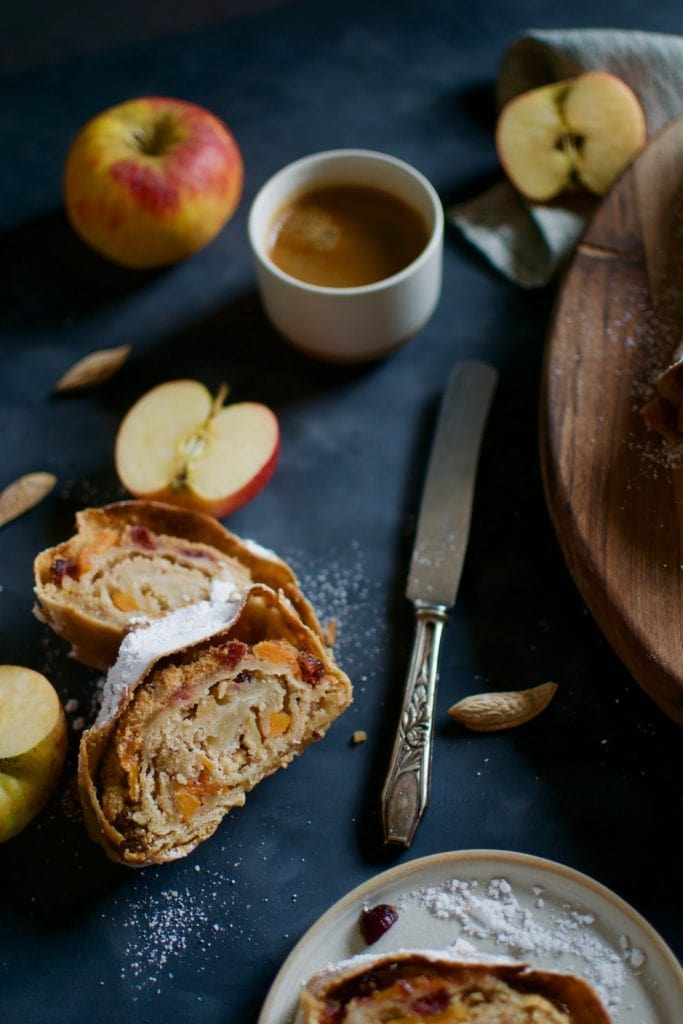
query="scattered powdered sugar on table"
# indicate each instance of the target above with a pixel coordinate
(160, 929)
(157, 933)
(339, 587)
(491, 912)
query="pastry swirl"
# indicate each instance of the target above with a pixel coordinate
(180, 743)
(143, 558)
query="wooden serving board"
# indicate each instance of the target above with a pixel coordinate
(614, 488)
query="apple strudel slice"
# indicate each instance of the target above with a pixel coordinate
(143, 558)
(421, 987)
(200, 706)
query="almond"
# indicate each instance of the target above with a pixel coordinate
(93, 369)
(488, 712)
(23, 494)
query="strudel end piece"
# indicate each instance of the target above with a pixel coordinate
(416, 987)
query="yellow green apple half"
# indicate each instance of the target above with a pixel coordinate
(582, 132)
(152, 180)
(180, 445)
(33, 744)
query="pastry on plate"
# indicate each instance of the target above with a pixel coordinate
(201, 705)
(416, 987)
(144, 558)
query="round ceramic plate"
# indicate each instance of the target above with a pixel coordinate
(507, 905)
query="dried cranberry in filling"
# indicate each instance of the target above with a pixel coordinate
(432, 1004)
(182, 694)
(143, 537)
(62, 567)
(231, 653)
(311, 669)
(194, 553)
(375, 921)
(333, 1013)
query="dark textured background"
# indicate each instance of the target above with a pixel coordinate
(593, 783)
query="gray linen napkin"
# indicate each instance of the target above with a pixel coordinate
(529, 242)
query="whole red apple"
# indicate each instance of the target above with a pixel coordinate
(152, 180)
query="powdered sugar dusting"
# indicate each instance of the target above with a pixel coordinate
(156, 930)
(149, 640)
(637, 346)
(160, 930)
(339, 587)
(259, 550)
(493, 913)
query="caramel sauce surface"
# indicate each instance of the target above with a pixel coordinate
(343, 236)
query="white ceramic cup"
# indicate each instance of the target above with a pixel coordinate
(363, 322)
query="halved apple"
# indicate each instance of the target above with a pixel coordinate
(33, 744)
(180, 445)
(580, 132)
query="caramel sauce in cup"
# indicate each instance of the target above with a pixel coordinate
(343, 236)
(348, 248)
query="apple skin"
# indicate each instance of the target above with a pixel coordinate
(27, 780)
(151, 181)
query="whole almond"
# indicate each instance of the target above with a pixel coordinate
(488, 712)
(23, 494)
(93, 369)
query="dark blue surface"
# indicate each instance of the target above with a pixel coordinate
(595, 783)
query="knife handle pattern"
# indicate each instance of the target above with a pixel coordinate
(406, 790)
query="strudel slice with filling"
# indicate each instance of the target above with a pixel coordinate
(200, 706)
(143, 558)
(431, 988)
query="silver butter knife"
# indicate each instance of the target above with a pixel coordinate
(435, 570)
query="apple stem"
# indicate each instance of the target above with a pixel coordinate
(193, 445)
(156, 138)
(219, 400)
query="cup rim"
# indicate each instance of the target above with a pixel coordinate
(364, 289)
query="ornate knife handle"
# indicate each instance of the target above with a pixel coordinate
(406, 790)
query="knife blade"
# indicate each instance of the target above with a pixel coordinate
(433, 579)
